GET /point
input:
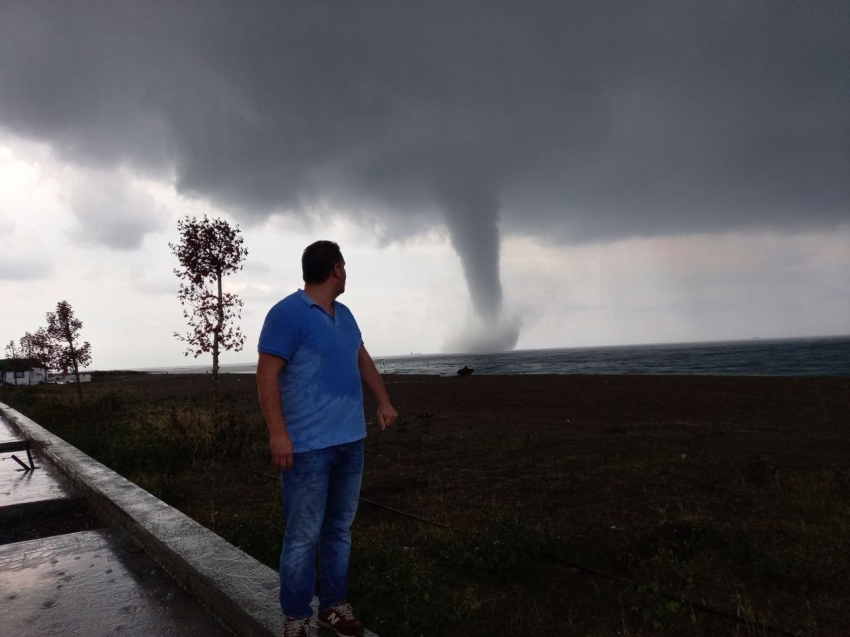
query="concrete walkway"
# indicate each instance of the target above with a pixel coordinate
(92, 584)
(24, 492)
(150, 571)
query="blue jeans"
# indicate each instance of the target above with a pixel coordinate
(320, 495)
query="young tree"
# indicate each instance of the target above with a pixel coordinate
(14, 353)
(39, 347)
(208, 251)
(12, 350)
(63, 330)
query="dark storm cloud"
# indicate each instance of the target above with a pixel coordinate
(571, 121)
(113, 212)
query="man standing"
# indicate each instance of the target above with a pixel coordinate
(311, 365)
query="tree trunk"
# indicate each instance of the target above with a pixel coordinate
(69, 337)
(216, 333)
(77, 375)
(76, 371)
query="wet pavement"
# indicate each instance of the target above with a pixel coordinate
(89, 583)
(20, 490)
(93, 584)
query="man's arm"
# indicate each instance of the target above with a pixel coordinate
(387, 415)
(268, 368)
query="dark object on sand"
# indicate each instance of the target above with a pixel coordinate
(466, 371)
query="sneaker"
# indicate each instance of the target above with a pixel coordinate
(341, 620)
(296, 627)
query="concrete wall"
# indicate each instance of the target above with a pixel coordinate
(234, 587)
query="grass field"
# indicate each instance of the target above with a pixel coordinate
(733, 493)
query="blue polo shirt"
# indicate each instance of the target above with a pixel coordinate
(320, 387)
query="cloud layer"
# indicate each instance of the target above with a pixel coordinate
(114, 212)
(574, 122)
(24, 266)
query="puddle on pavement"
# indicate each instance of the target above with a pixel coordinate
(92, 583)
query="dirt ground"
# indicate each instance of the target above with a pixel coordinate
(729, 492)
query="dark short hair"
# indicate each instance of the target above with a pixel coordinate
(318, 260)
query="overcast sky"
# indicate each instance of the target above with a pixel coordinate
(498, 174)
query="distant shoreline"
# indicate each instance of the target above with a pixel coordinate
(815, 356)
(754, 340)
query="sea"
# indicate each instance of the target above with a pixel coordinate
(825, 356)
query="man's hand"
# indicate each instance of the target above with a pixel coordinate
(281, 448)
(387, 416)
(268, 370)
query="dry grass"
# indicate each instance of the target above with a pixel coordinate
(734, 492)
